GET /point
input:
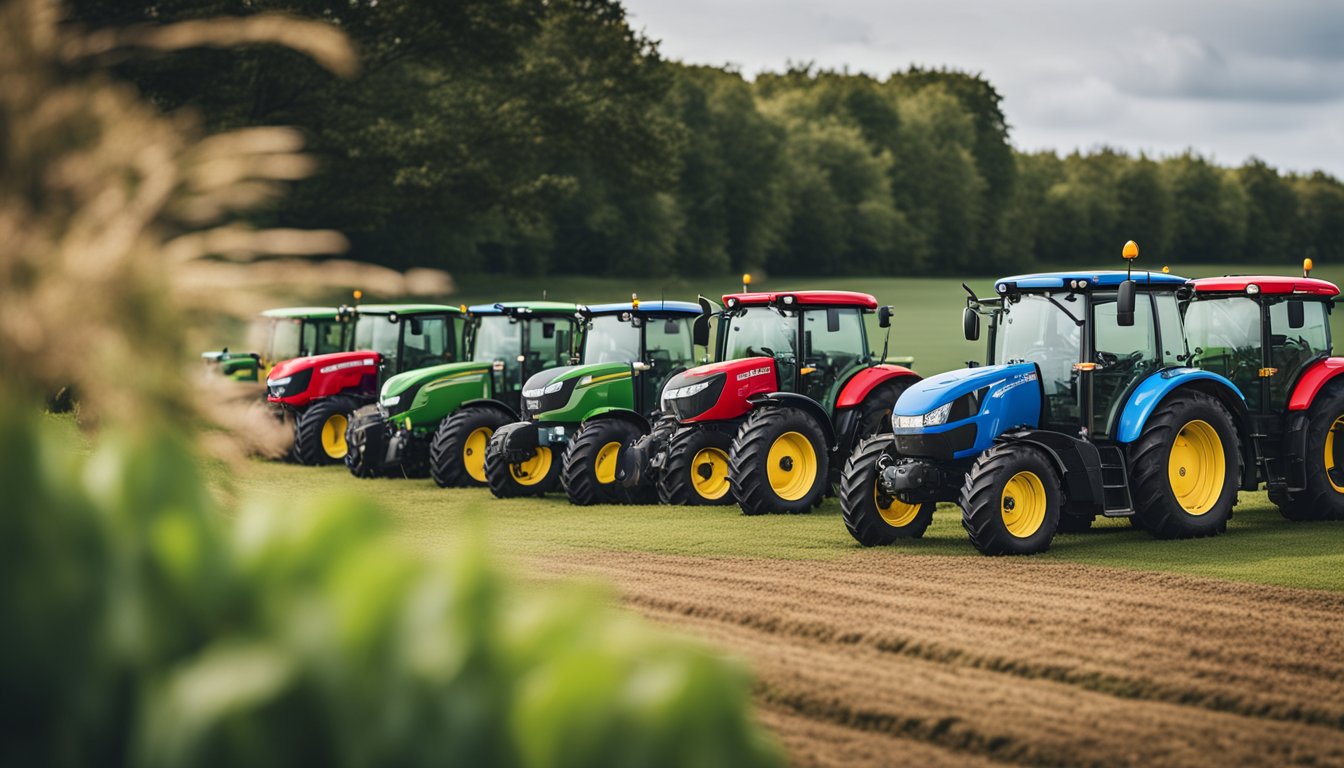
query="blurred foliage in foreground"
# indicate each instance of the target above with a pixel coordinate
(139, 625)
(140, 632)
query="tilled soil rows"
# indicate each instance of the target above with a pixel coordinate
(924, 660)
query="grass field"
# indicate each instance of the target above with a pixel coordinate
(1260, 546)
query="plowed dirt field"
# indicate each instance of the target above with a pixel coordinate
(933, 660)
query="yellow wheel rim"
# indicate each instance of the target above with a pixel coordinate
(1197, 467)
(534, 470)
(709, 473)
(895, 513)
(1330, 454)
(333, 436)
(473, 452)
(792, 465)
(605, 465)
(1023, 504)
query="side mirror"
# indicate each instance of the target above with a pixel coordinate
(548, 330)
(884, 316)
(671, 327)
(1297, 313)
(700, 328)
(417, 326)
(970, 324)
(1124, 304)
(832, 320)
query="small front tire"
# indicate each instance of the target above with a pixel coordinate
(319, 432)
(780, 462)
(588, 474)
(872, 517)
(1010, 501)
(457, 453)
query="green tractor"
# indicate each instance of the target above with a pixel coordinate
(581, 418)
(290, 332)
(320, 392)
(438, 420)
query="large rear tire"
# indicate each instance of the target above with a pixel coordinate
(1185, 468)
(1323, 496)
(872, 517)
(457, 452)
(319, 432)
(695, 472)
(535, 477)
(1010, 501)
(588, 474)
(779, 462)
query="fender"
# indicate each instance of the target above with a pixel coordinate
(860, 384)
(624, 414)
(801, 402)
(1313, 380)
(1158, 385)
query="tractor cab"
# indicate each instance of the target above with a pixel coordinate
(288, 333)
(1270, 335)
(411, 336)
(520, 339)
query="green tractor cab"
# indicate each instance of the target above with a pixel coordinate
(320, 392)
(290, 332)
(437, 420)
(580, 418)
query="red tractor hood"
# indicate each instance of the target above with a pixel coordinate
(729, 384)
(299, 381)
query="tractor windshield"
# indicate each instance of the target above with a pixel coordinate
(1036, 330)
(611, 340)
(498, 337)
(761, 332)
(378, 333)
(1224, 338)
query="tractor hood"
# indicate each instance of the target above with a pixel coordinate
(557, 394)
(330, 363)
(924, 396)
(439, 388)
(297, 382)
(958, 414)
(718, 390)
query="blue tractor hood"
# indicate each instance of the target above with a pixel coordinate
(983, 403)
(923, 396)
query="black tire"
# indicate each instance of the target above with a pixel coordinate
(588, 474)
(1323, 496)
(358, 445)
(695, 472)
(870, 524)
(511, 481)
(1157, 508)
(791, 432)
(1010, 501)
(415, 461)
(329, 416)
(457, 442)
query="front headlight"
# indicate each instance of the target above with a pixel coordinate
(280, 382)
(388, 402)
(549, 389)
(938, 416)
(679, 392)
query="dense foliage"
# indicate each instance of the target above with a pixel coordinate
(536, 136)
(147, 622)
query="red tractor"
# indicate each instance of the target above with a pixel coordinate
(1271, 337)
(796, 390)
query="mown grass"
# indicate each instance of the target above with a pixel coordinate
(1260, 546)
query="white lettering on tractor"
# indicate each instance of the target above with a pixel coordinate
(1014, 383)
(342, 366)
(752, 372)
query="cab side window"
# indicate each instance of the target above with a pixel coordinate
(1292, 349)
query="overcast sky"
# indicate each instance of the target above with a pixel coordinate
(1230, 79)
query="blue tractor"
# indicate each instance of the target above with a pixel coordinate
(1088, 406)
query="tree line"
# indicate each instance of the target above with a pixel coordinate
(549, 136)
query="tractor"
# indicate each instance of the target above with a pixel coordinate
(1270, 336)
(582, 417)
(290, 332)
(1090, 404)
(438, 420)
(320, 392)
(795, 388)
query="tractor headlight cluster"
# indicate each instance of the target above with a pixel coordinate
(388, 402)
(289, 386)
(549, 389)
(936, 417)
(677, 393)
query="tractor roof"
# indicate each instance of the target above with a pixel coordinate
(407, 309)
(646, 308)
(1045, 281)
(303, 313)
(802, 299)
(528, 307)
(1268, 284)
